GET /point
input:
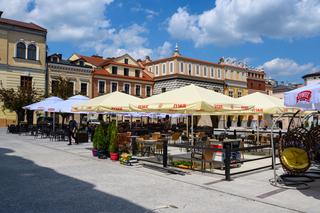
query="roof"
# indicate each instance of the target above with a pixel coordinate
(285, 88)
(103, 72)
(94, 60)
(311, 75)
(183, 58)
(30, 25)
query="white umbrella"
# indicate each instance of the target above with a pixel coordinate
(66, 106)
(43, 105)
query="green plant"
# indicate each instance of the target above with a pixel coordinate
(112, 137)
(99, 139)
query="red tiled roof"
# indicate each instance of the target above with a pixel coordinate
(96, 61)
(30, 25)
(104, 72)
(181, 57)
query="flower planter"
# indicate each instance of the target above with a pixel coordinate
(114, 156)
(102, 154)
(94, 152)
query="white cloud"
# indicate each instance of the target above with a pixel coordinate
(82, 23)
(238, 21)
(165, 50)
(64, 19)
(150, 14)
(284, 67)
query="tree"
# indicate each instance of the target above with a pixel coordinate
(13, 100)
(62, 87)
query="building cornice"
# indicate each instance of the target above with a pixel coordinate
(187, 77)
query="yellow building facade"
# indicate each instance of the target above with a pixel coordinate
(22, 58)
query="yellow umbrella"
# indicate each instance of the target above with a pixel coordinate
(189, 100)
(112, 102)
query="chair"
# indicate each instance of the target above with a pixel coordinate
(175, 137)
(294, 151)
(207, 157)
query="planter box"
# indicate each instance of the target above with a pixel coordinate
(82, 137)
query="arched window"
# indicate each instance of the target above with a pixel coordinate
(21, 50)
(32, 52)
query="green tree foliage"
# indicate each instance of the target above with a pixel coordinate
(62, 88)
(112, 137)
(99, 138)
(13, 100)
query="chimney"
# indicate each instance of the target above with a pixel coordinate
(1, 12)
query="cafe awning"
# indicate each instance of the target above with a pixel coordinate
(189, 100)
(112, 102)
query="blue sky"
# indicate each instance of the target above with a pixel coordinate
(281, 36)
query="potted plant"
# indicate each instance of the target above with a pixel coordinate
(112, 141)
(99, 140)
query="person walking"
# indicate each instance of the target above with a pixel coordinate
(72, 129)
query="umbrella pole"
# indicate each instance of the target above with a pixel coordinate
(54, 121)
(187, 126)
(258, 125)
(192, 141)
(130, 121)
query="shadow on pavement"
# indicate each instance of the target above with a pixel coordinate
(27, 187)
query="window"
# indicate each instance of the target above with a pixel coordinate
(101, 87)
(219, 73)
(230, 93)
(114, 86)
(32, 52)
(239, 94)
(157, 70)
(126, 71)
(126, 88)
(84, 89)
(126, 61)
(171, 67)
(26, 82)
(148, 91)
(163, 69)
(54, 87)
(114, 70)
(54, 59)
(198, 70)
(181, 67)
(81, 63)
(21, 50)
(70, 89)
(137, 73)
(205, 71)
(138, 90)
(190, 69)
(163, 89)
(212, 72)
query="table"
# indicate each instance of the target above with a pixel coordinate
(147, 146)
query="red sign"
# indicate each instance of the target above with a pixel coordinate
(304, 96)
(218, 106)
(143, 106)
(178, 106)
(244, 107)
(116, 108)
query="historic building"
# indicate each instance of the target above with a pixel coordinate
(311, 78)
(235, 78)
(122, 73)
(79, 75)
(22, 58)
(256, 81)
(178, 71)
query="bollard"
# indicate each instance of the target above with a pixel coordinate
(235, 134)
(165, 153)
(227, 160)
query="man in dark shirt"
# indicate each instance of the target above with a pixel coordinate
(72, 129)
